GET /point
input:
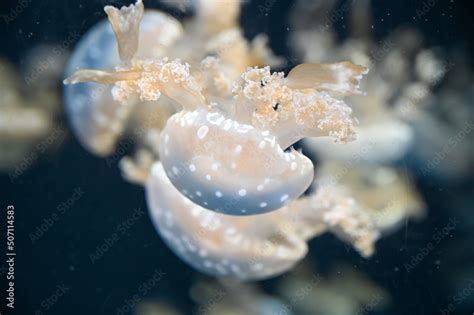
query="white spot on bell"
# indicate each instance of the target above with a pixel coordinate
(293, 166)
(202, 132)
(238, 149)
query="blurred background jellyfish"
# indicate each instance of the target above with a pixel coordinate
(30, 108)
(230, 297)
(344, 291)
(398, 87)
(444, 148)
(401, 76)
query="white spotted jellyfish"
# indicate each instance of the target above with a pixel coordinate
(252, 247)
(234, 157)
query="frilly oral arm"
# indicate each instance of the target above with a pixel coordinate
(300, 105)
(148, 79)
(126, 26)
(330, 208)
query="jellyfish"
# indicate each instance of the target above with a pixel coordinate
(29, 122)
(248, 247)
(237, 152)
(96, 118)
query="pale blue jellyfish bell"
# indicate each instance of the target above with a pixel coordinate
(230, 157)
(252, 247)
(218, 244)
(96, 118)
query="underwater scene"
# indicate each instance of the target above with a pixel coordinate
(237, 157)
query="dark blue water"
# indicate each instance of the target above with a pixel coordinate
(60, 260)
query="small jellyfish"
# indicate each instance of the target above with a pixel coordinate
(232, 157)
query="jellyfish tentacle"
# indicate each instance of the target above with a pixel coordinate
(101, 76)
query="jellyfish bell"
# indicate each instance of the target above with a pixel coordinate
(213, 159)
(96, 118)
(217, 244)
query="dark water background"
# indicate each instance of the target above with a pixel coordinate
(62, 256)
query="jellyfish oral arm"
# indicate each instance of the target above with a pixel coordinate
(148, 80)
(126, 25)
(300, 105)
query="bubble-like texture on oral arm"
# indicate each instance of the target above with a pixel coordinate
(147, 80)
(331, 208)
(265, 100)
